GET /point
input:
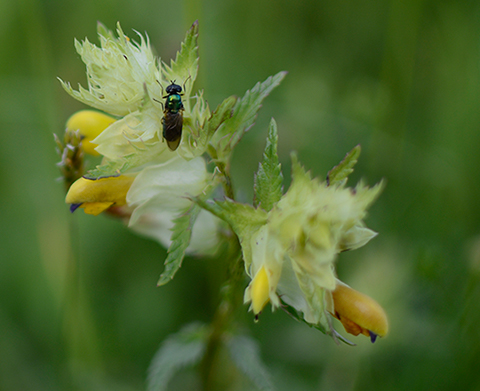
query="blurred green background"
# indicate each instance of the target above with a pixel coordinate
(399, 77)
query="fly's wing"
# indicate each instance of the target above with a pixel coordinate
(172, 129)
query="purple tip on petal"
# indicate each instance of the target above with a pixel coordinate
(74, 207)
(373, 336)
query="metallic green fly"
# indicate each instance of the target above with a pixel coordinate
(172, 120)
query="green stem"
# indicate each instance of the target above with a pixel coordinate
(227, 181)
(230, 301)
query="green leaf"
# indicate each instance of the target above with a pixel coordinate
(269, 178)
(244, 219)
(181, 235)
(338, 174)
(186, 62)
(185, 348)
(241, 217)
(246, 355)
(243, 118)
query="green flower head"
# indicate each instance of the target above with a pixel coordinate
(290, 250)
(300, 240)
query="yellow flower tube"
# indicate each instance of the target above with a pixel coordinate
(359, 313)
(97, 195)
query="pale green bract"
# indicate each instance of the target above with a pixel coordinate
(126, 80)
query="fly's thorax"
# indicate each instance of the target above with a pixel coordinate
(173, 104)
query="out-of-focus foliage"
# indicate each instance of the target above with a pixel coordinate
(79, 307)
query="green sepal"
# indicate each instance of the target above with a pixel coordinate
(243, 118)
(269, 178)
(181, 235)
(338, 174)
(245, 353)
(179, 350)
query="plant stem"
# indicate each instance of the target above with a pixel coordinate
(223, 318)
(227, 180)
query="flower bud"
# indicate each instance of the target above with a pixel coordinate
(359, 313)
(90, 123)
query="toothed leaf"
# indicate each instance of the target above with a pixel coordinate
(243, 118)
(181, 235)
(269, 178)
(185, 65)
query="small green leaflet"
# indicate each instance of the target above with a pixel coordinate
(269, 178)
(338, 174)
(243, 118)
(245, 354)
(185, 348)
(181, 235)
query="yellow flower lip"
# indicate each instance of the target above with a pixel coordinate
(359, 313)
(90, 123)
(97, 195)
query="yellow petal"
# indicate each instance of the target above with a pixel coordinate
(359, 313)
(90, 123)
(103, 191)
(95, 208)
(260, 288)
